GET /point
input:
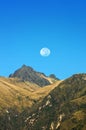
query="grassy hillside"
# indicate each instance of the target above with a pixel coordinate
(14, 92)
(63, 109)
(59, 106)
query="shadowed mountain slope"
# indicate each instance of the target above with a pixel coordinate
(63, 109)
(26, 73)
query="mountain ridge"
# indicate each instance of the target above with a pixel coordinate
(60, 105)
(27, 73)
(65, 104)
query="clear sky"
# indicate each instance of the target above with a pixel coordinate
(28, 25)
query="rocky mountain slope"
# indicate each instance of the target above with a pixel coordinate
(63, 109)
(61, 105)
(26, 73)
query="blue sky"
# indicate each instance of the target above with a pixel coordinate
(28, 25)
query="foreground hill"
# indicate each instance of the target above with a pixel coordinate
(59, 106)
(17, 96)
(63, 109)
(14, 92)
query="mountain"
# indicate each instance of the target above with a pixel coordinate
(17, 99)
(63, 109)
(53, 76)
(26, 73)
(14, 92)
(61, 105)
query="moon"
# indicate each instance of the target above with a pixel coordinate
(45, 52)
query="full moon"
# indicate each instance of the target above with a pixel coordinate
(45, 52)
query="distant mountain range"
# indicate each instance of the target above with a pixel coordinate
(30, 100)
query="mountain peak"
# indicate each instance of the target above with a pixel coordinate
(26, 67)
(27, 73)
(53, 76)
